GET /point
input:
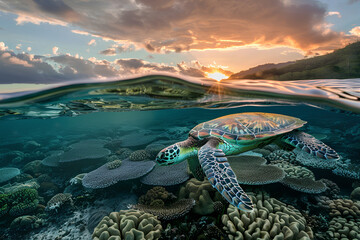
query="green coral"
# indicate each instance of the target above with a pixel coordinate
(23, 201)
(19, 203)
(128, 224)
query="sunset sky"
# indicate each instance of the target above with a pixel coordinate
(50, 41)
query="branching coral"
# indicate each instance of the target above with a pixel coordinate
(22, 202)
(128, 224)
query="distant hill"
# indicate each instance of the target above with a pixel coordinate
(342, 63)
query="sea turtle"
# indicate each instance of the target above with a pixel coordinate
(209, 142)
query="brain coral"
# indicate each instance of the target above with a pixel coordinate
(8, 173)
(270, 219)
(167, 175)
(128, 224)
(203, 193)
(345, 208)
(103, 177)
(252, 170)
(281, 155)
(342, 228)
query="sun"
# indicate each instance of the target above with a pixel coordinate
(217, 76)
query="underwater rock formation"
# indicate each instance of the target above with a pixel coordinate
(204, 195)
(8, 173)
(35, 168)
(103, 177)
(252, 170)
(128, 224)
(168, 212)
(270, 219)
(167, 175)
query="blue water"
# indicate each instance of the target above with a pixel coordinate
(160, 109)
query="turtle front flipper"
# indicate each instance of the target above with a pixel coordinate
(221, 176)
(309, 144)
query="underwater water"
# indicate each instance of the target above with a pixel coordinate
(78, 161)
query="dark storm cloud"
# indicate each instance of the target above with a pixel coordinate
(57, 7)
(181, 25)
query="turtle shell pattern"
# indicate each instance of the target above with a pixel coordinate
(246, 126)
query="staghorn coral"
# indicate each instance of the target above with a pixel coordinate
(281, 155)
(139, 155)
(128, 224)
(58, 201)
(252, 170)
(103, 177)
(203, 193)
(8, 173)
(270, 219)
(345, 208)
(168, 212)
(167, 175)
(342, 228)
(113, 164)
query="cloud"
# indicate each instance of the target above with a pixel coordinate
(108, 52)
(29, 49)
(334, 14)
(355, 31)
(353, 1)
(18, 47)
(181, 25)
(29, 68)
(92, 42)
(55, 50)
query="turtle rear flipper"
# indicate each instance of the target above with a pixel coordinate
(221, 176)
(309, 144)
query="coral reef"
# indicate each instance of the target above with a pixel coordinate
(18, 203)
(281, 155)
(8, 173)
(345, 208)
(347, 172)
(10, 188)
(167, 175)
(270, 219)
(342, 228)
(103, 177)
(300, 178)
(307, 159)
(251, 170)
(128, 224)
(35, 168)
(332, 189)
(113, 164)
(139, 155)
(157, 196)
(204, 195)
(168, 212)
(59, 200)
(26, 223)
(95, 217)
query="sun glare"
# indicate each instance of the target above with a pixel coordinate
(217, 76)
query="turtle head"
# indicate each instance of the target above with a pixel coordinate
(169, 155)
